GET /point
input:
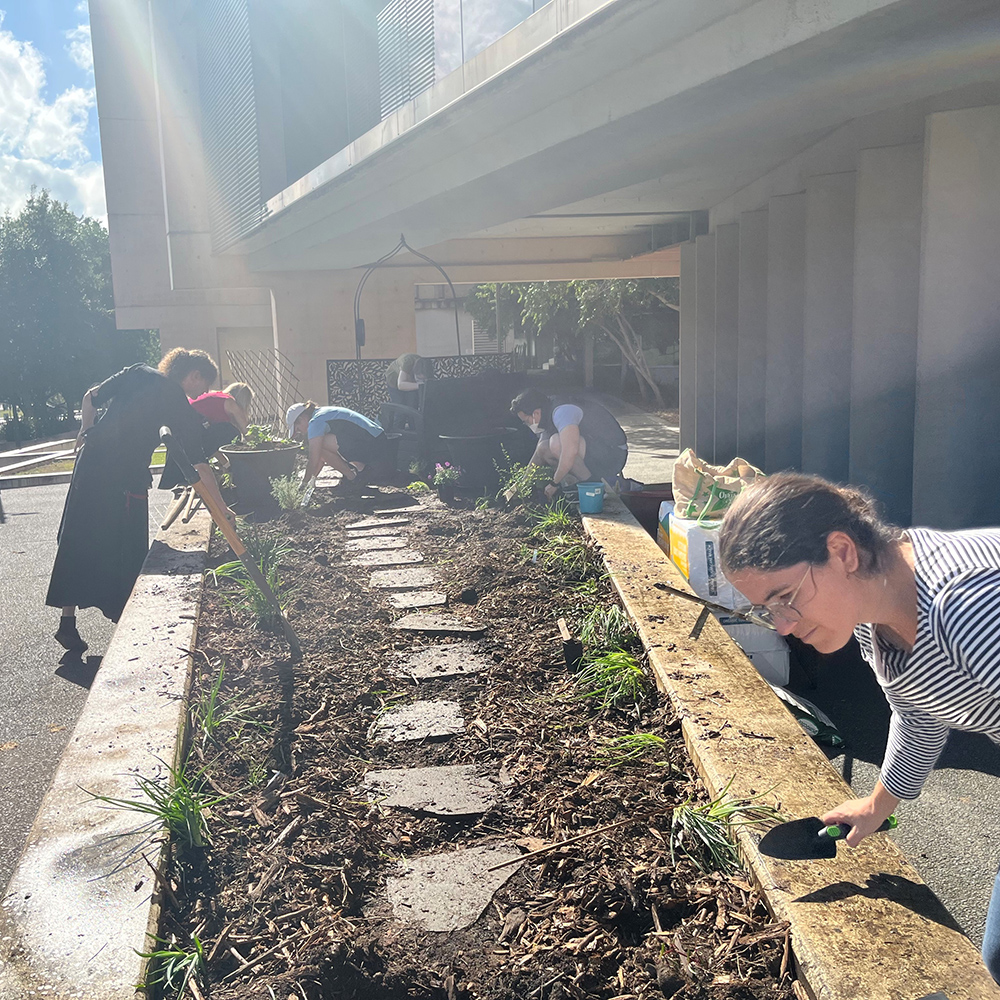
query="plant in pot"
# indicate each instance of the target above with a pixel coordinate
(253, 463)
(446, 478)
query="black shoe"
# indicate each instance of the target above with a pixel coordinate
(70, 639)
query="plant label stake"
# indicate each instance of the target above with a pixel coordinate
(192, 478)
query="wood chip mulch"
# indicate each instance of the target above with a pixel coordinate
(289, 899)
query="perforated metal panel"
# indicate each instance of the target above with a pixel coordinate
(405, 51)
(229, 120)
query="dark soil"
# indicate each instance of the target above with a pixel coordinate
(289, 899)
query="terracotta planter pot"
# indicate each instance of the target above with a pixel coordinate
(252, 472)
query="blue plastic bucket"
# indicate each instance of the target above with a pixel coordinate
(591, 497)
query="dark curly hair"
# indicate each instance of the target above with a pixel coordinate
(786, 518)
(180, 362)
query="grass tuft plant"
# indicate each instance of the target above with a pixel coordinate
(565, 554)
(179, 803)
(288, 491)
(267, 548)
(172, 968)
(619, 750)
(703, 830)
(613, 679)
(608, 627)
(552, 521)
(212, 713)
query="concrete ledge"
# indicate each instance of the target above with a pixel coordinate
(79, 905)
(862, 925)
(41, 479)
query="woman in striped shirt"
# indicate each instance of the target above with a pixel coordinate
(818, 562)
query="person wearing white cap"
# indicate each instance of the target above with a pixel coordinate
(344, 439)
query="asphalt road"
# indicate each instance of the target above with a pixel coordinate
(40, 697)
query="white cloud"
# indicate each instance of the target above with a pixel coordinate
(79, 47)
(43, 143)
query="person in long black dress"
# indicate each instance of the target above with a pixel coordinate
(104, 533)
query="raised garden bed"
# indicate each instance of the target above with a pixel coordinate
(289, 896)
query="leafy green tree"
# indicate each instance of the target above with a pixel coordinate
(57, 327)
(608, 307)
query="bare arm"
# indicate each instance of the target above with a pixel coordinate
(864, 815)
(314, 463)
(569, 450)
(237, 415)
(404, 383)
(88, 413)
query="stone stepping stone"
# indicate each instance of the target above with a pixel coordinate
(452, 660)
(449, 891)
(381, 543)
(418, 599)
(377, 522)
(403, 579)
(423, 720)
(450, 624)
(401, 557)
(387, 532)
(452, 790)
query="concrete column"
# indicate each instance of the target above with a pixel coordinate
(752, 360)
(957, 421)
(786, 244)
(705, 347)
(727, 296)
(687, 373)
(886, 295)
(829, 304)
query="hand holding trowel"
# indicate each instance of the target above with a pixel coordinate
(219, 516)
(809, 838)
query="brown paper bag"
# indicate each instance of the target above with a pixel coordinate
(704, 491)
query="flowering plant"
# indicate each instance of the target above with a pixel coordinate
(445, 472)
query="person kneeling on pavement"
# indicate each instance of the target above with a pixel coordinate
(344, 439)
(582, 441)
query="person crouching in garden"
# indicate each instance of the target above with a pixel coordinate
(104, 533)
(580, 441)
(819, 563)
(344, 439)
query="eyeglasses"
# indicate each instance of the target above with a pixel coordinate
(783, 608)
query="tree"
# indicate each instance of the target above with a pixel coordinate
(609, 307)
(57, 327)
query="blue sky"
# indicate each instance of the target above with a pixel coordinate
(48, 115)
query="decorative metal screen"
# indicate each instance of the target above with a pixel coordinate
(360, 385)
(229, 120)
(275, 386)
(405, 51)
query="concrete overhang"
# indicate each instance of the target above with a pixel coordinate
(593, 118)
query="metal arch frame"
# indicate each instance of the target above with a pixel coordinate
(401, 245)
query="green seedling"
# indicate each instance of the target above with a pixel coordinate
(620, 750)
(704, 830)
(565, 554)
(418, 486)
(519, 481)
(289, 492)
(551, 521)
(265, 547)
(172, 968)
(613, 679)
(212, 713)
(608, 627)
(179, 804)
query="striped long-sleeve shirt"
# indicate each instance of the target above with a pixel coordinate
(951, 677)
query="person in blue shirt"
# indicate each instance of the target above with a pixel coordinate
(344, 439)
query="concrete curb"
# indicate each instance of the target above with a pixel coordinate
(81, 902)
(862, 925)
(45, 479)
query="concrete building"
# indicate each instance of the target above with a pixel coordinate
(840, 309)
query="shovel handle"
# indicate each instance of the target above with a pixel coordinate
(837, 831)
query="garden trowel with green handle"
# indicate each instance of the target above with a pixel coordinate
(808, 839)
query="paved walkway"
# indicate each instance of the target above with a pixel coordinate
(39, 698)
(652, 442)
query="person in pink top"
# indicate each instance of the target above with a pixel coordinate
(230, 406)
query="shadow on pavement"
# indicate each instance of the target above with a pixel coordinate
(77, 670)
